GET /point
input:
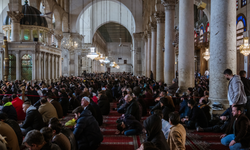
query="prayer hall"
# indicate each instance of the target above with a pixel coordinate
(124, 75)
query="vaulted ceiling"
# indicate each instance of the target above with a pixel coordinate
(112, 32)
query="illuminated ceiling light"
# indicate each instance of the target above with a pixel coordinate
(245, 49)
(92, 55)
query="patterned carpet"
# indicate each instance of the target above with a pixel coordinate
(194, 141)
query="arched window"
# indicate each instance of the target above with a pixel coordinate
(26, 70)
(243, 3)
(12, 68)
(243, 19)
(241, 25)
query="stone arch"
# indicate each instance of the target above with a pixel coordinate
(87, 26)
(3, 14)
(65, 23)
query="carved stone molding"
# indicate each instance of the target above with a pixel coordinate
(15, 16)
(160, 17)
(59, 37)
(153, 26)
(168, 4)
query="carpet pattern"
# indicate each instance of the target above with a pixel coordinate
(194, 141)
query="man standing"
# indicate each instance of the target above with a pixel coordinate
(236, 94)
(246, 83)
(238, 132)
(177, 136)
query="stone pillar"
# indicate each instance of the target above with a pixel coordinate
(169, 54)
(49, 69)
(53, 68)
(22, 35)
(34, 66)
(136, 54)
(1, 64)
(149, 55)
(15, 16)
(203, 62)
(222, 48)
(186, 45)
(146, 54)
(44, 41)
(76, 63)
(31, 35)
(59, 40)
(38, 35)
(153, 49)
(176, 64)
(49, 36)
(39, 65)
(18, 66)
(160, 18)
(45, 68)
(8, 37)
(57, 69)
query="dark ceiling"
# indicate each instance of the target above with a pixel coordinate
(111, 32)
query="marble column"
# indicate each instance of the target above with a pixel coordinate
(22, 35)
(146, 54)
(222, 48)
(136, 54)
(15, 25)
(53, 68)
(31, 35)
(186, 45)
(160, 18)
(49, 37)
(34, 66)
(59, 40)
(169, 54)
(45, 68)
(38, 35)
(149, 55)
(8, 37)
(57, 69)
(1, 64)
(18, 66)
(76, 63)
(49, 68)
(153, 49)
(39, 75)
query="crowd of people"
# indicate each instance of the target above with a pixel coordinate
(35, 123)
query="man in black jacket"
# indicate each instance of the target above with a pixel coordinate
(9, 109)
(85, 103)
(237, 135)
(64, 101)
(246, 83)
(196, 117)
(87, 132)
(132, 108)
(33, 119)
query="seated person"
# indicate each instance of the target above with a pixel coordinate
(196, 117)
(205, 108)
(11, 137)
(129, 126)
(165, 124)
(221, 125)
(87, 132)
(47, 134)
(9, 109)
(14, 125)
(60, 139)
(132, 107)
(34, 140)
(153, 126)
(173, 88)
(57, 105)
(103, 103)
(237, 135)
(184, 109)
(47, 110)
(18, 103)
(33, 119)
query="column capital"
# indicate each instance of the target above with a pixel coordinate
(59, 37)
(50, 33)
(168, 4)
(15, 16)
(160, 17)
(153, 26)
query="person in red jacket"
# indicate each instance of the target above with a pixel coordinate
(18, 103)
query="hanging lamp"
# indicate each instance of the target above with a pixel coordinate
(244, 48)
(101, 58)
(206, 54)
(92, 55)
(106, 61)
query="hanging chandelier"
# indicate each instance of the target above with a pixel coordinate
(117, 67)
(102, 65)
(101, 58)
(206, 55)
(245, 49)
(112, 64)
(69, 44)
(92, 55)
(106, 61)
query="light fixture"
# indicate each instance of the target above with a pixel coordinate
(206, 54)
(101, 59)
(98, 58)
(112, 64)
(106, 61)
(245, 49)
(117, 67)
(102, 65)
(69, 44)
(92, 55)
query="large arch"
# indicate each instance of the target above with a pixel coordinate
(100, 13)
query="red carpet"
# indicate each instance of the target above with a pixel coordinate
(194, 141)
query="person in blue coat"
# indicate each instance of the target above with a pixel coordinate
(87, 132)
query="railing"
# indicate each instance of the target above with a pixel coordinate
(202, 40)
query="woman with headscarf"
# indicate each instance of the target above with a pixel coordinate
(153, 126)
